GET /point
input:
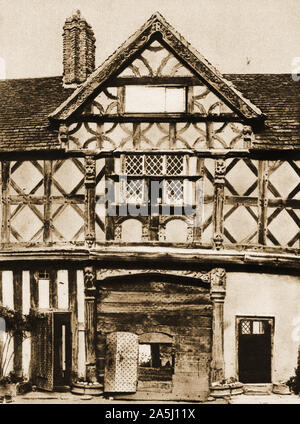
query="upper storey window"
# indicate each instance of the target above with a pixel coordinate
(154, 99)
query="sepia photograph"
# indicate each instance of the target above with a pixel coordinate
(150, 204)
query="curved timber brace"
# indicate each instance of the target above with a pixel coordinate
(90, 322)
(217, 295)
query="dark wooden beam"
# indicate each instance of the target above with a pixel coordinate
(33, 289)
(5, 229)
(18, 303)
(155, 117)
(72, 284)
(262, 201)
(166, 81)
(53, 288)
(47, 204)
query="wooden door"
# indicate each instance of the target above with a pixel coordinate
(42, 353)
(254, 350)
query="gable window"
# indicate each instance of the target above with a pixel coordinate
(154, 99)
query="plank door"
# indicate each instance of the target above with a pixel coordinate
(43, 353)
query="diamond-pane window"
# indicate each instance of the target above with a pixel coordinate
(134, 165)
(134, 191)
(174, 165)
(246, 327)
(174, 192)
(154, 165)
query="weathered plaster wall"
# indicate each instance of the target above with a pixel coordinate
(264, 295)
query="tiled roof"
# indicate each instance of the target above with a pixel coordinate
(278, 96)
(24, 108)
(26, 104)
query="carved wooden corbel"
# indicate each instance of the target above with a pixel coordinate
(145, 233)
(218, 280)
(89, 278)
(220, 169)
(118, 233)
(90, 171)
(248, 136)
(63, 135)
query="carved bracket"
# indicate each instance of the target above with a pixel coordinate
(218, 241)
(218, 284)
(89, 278)
(220, 169)
(63, 135)
(248, 136)
(90, 171)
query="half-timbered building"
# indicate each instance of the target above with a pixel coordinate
(150, 210)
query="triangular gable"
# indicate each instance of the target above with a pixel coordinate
(189, 56)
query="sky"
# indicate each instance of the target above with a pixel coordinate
(237, 36)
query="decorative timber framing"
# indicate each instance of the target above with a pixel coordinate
(103, 274)
(158, 28)
(219, 181)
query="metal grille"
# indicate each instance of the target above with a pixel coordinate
(121, 362)
(134, 165)
(174, 191)
(134, 191)
(154, 165)
(174, 165)
(246, 327)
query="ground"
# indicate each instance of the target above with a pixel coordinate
(68, 398)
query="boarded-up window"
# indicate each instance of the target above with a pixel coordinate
(150, 99)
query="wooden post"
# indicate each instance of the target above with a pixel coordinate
(5, 230)
(90, 184)
(90, 323)
(262, 201)
(47, 204)
(217, 295)
(17, 358)
(219, 182)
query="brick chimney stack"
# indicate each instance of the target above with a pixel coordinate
(78, 50)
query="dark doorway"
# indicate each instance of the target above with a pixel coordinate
(62, 350)
(254, 350)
